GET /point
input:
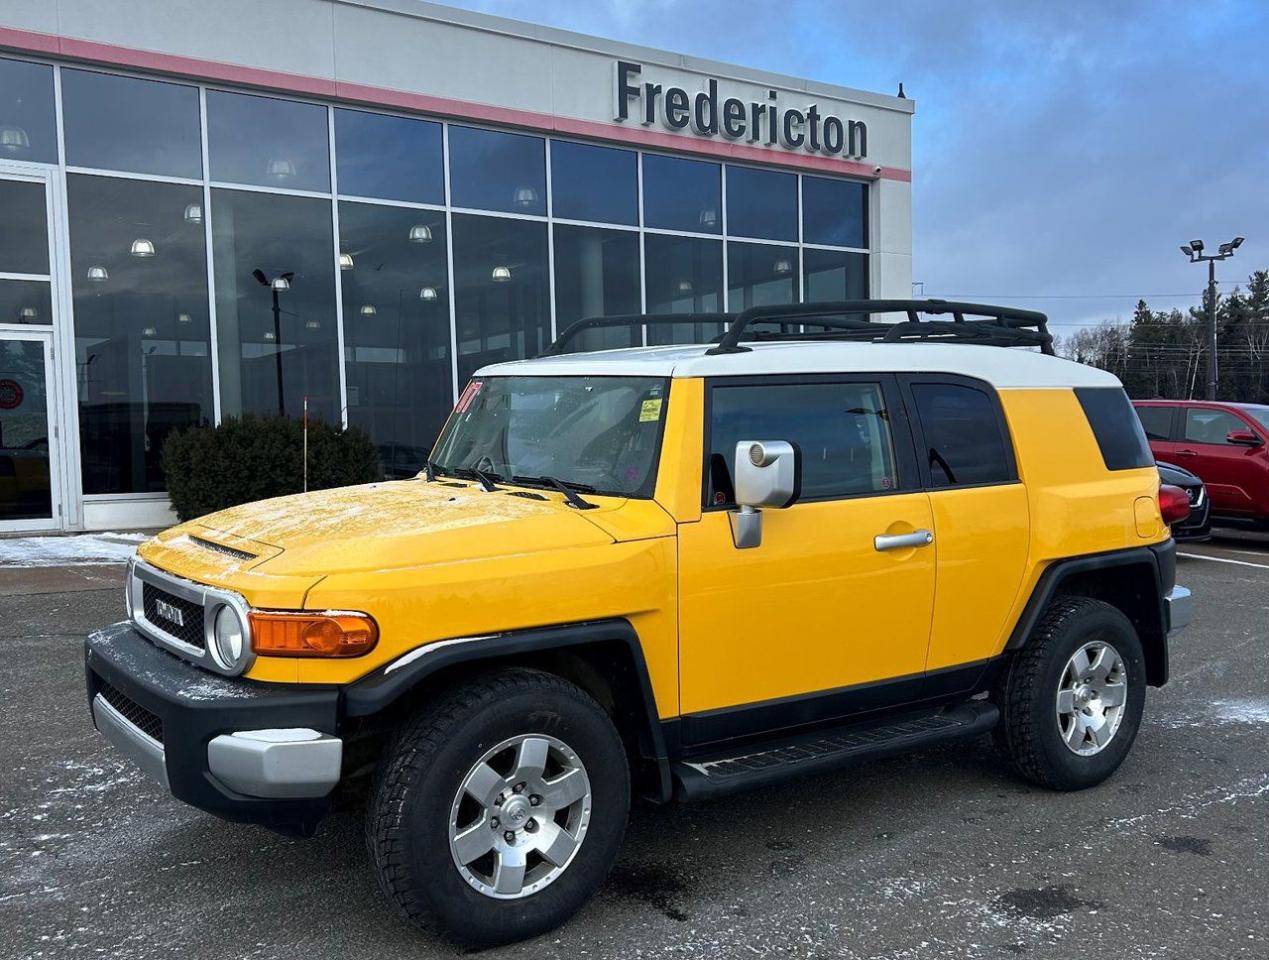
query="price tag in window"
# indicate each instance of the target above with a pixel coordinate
(650, 411)
(469, 394)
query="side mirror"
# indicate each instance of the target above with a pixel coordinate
(768, 473)
(1243, 438)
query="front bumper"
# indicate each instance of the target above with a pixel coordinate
(246, 751)
(1179, 605)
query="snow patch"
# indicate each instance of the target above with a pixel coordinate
(91, 548)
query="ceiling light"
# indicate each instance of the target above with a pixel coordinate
(269, 335)
(368, 310)
(281, 283)
(345, 261)
(501, 274)
(783, 265)
(420, 233)
(313, 324)
(281, 169)
(149, 332)
(28, 315)
(98, 274)
(142, 248)
(184, 318)
(525, 197)
(14, 139)
(709, 217)
(427, 293)
(685, 286)
(194, 213)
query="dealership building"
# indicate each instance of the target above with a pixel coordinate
(216, 209)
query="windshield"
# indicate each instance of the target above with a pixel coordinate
(594, 433)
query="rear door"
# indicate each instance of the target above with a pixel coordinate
(1159, 421)
(1230, 471)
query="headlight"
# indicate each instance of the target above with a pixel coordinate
(229, 639)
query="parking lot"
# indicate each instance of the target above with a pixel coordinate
(939, 854)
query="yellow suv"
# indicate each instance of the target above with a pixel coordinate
(666, 572)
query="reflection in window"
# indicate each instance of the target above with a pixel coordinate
(23, 228)
(28, 124)
(491, 170)
(122, 123)
(1156, 421)
(26, 302)
(139, 279)
(834, 275)
(396, 330)
(1210, 426)
(25, 489)
(396, 158)
(834, 212)
(964, 438)
(596, 275)
(681, 194)
(271, 143)
(684, 275)
(759, 274)
(275, 304)
(762, 203)
(594, 183)
(501, 290)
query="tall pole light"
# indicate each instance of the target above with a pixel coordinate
(1194, 250)
(277, 284)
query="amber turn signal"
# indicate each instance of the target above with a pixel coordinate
(332, 634)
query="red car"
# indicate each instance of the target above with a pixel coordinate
(1222, 443)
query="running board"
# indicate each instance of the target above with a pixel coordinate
(759, 765)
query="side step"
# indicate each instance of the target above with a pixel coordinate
(758, 765)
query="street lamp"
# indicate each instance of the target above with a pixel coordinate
(1194, 250)
(276, 285)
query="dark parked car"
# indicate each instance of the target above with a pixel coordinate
(1198, 526)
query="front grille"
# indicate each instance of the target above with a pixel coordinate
(190, 628)
(141, 718)
(221, 548)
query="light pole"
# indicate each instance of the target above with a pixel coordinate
(279, 283)
(1194, 250)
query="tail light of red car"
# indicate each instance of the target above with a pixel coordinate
(1174, 504)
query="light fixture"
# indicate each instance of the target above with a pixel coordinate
(28, 315)
(98, 274)
(142, 247)
(14, 139)
(345, 261)
(709, 217)
(427, 293)
(194, 213)
(1187, 249)
(1236, 243)
(1196, 246)
(525, 197)
(184, 318)
(420, 233)
(269, 335)
(501, 274)
(313, 324)
(368, 310)
(783, 265)
(149, 332)
(281, 169)
(281, 283)
(685, 286)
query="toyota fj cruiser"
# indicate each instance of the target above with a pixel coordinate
(664, 572)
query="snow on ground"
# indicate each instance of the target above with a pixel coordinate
(69, 551)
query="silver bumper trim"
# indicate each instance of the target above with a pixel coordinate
(277, 764)
(130, 739)
(1180, 606)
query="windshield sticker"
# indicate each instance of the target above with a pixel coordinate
(469, 394)
(651, 411)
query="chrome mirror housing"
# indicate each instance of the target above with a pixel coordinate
(768, 473)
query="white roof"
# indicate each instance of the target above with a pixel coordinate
(1003, 367)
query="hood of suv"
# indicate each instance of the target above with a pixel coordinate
(389, 525)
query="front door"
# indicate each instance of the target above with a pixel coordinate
(1230, 471)
(821, 619)
(29, 469)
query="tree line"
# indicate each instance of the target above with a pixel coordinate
(1163, 353)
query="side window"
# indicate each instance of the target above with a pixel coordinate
(1157, 422)
(964, 438)
(1210, 426)
(842, 429)
(1117, 430)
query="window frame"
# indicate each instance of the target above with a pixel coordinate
(1185, 420)
(899, 421)
(917, 431)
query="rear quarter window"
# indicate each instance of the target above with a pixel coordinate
(1116, 426)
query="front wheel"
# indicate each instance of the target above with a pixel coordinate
(498, 811)
(1071, 700)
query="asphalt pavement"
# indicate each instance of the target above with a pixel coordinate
(937, 854)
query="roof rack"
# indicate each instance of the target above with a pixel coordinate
(851, 320)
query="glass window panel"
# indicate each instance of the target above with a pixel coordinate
(597, 275)
(25, 488)
(594, 183)
(141, 326)
(23, 227)
(684, 275)
(277, 341)
(272, 143)
(501, 290)
(834, 212)
(762, 203)
(491, 170)
(682, 194)
(759, 274)
(396, 329)
(122, 123)
(1156, 421)
(28, 121)
(834, 275)
(26, 301)
(396, 158)
(1204, 425)
(964, 437)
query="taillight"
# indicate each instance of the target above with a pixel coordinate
(334, 634)
(1174, 504)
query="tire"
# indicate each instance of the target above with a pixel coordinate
(1034, 731)
(422, 807)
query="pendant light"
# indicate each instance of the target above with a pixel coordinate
(14, 139)
(281, 283)
(420, 233)
(709, 217)
(783, 265)
(501, 274)
(269, 335)
(184, 318)
(368, 310)
(525, 197)
(345, 261)
(194, 213)
(427, 293)
(142, 247)
(281, 169)
(313, 324)
(149, 332)
(28, 315)
(98, 274)
(685, 286)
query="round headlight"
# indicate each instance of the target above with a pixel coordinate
(229, 638)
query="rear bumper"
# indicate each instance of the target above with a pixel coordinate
(1178, 603)
(246, 751)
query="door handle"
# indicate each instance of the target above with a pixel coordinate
(898, 541)
(1187, 453)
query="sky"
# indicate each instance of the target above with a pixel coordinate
(1063, 151)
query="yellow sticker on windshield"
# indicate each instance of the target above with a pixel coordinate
(651, 410)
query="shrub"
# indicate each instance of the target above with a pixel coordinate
(254, 458)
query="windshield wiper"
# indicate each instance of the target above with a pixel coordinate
(567, 487)
(429, 469)
(471, 473)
